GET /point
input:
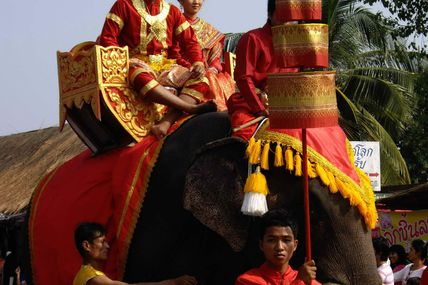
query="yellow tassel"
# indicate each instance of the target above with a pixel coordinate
(352, 198)
(255, 153)
(311, 171)
(256, 182)
(342, 188)
(298, 164)
(332, 186)
(289, 162)
(362, 207)
(279, 159)
(322, 174)
(265, 156)
(250, 146)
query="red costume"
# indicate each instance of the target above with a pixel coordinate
(148, 28)
(264, 275)
(254, 60)
(211, 41)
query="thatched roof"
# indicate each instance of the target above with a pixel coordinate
(406, 197)
(26, 157)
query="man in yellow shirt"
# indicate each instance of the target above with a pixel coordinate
(90, 239)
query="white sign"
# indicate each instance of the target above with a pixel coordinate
(367, 158)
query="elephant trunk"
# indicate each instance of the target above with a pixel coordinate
(342, 243)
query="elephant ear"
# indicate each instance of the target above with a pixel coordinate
(214, 189)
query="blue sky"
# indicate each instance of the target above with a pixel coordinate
(32, 31)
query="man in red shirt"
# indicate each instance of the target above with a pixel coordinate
(254, 60)
(277, 242)
(148, 28)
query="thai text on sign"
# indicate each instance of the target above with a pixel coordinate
(403, 227)
(367, 158)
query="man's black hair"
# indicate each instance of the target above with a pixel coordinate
(418, 245)
(424, 253)
(277, 218)
(401, 253)
(381, 247)
(271, 8)
(88, 231)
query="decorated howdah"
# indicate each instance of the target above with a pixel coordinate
(97, 101)
(309, 101)
(298, 10)
(301, 45)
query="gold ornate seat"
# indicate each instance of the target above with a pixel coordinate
(96, 99)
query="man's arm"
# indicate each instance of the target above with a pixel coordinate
(247, 53)
(104, 280)
(113, 25)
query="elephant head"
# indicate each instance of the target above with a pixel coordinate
(341, 242)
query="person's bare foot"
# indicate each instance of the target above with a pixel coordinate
(185, 280)
(209, 106)
(160, 130)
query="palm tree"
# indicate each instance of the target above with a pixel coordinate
(375, 76)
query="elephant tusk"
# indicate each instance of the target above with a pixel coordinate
(249, 123)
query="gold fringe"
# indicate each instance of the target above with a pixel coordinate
(250, 146)
(255, 153)
(265, 156)
(359, 195)
(332, 186)
(256, 182)
(298, 164)
(322, 174)
(311, 171)
(279, 159)
(289, 162)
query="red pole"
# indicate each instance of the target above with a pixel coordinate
(306, 197)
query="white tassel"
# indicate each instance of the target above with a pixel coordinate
(254, 204)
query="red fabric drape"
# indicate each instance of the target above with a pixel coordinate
(108, 189)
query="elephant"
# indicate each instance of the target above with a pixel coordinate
(190, 223)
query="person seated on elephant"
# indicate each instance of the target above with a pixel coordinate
(414, 270)
(254, 61)
(251, 75)
(211, 40)
(148, 28)
(278, 232)
(381, 248)
(90, 240)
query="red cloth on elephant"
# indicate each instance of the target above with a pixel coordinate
(108, 189)
(149, 28)
(251, 75)
(267, 276)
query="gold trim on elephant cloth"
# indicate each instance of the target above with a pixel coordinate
(289, 153)
(129, 214)
(136, 192)
(134, 114)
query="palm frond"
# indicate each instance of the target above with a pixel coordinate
(390, 103)
(366, 128)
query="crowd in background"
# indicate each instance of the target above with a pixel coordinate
(396, 267)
